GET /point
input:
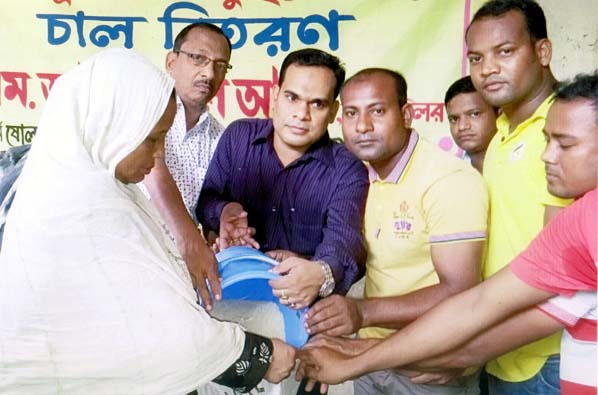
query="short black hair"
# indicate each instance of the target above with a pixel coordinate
(399, 81)
(462, 85)
(182, 36)
(314, 57)
(583, 86)
(531, 11)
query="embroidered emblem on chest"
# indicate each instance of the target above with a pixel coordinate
(517, 152)
(402, 222)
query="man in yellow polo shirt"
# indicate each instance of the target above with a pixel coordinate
(425, 226)
(509, 54)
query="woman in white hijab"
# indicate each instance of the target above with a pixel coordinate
(94, 297)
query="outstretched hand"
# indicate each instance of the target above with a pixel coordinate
(203, 268)
(335, 315)
(234, 228)
(324, 365)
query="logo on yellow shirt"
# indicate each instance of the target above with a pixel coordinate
(517, 152)
(403, 222)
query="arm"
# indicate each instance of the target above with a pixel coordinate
(199, 258)
(216, 209)
(342, 247)
(455, 251)
(519, 329)
(260, 358)
(457, 266)
(460, 318)
(215, 189)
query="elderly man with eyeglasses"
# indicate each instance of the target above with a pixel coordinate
(198, 62)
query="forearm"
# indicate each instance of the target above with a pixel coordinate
(347, 266)
(398, 311)
(519, 329)
(398, 350)
(343, 244)
(253, 366)
(452, 322)
(167, 198)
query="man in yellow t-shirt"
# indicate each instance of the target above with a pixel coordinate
(509, 54)
(425, 226)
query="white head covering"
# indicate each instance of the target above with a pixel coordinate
(93, 295)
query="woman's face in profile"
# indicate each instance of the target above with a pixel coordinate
(135, 166)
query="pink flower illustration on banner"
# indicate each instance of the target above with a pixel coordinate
(230, 4)
(62, 1)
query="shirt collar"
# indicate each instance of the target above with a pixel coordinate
(503, 125)
(404, 157)
(180, 112)
(321, 150)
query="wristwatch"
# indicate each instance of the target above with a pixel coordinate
(328, 285)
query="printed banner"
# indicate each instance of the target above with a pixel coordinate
(422, 39)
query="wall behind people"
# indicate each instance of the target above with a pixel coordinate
(421, 38)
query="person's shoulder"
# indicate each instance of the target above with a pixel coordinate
(437, 161)
(343, 157)
(248, 127)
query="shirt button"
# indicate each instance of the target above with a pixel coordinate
(292, 209)
(273, 209)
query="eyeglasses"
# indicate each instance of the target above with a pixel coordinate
(202, 61)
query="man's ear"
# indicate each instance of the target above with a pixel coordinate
(543, 48)
(407, 111)
(171, 57)
(274, 98)
(333, 111)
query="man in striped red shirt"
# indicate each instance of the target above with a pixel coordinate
(500, 314)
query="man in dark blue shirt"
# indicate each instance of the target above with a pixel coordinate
(302, 194)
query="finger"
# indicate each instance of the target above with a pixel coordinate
(282, 282)
(204, 293)
(284, 301)
(242, 214)
(274, 254)
(288, 265)
(322, 305)
(323, 388)
(214, 280)
(424, 378)
(320, 312)
(312, 371)
(250, 241)
(222, 242)
(331, 326)
(310, 385)
(299, 374)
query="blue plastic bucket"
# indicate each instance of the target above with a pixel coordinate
(245, 272)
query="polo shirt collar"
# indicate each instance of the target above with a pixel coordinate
(404, 157)
(321, 150)
(503, 124)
